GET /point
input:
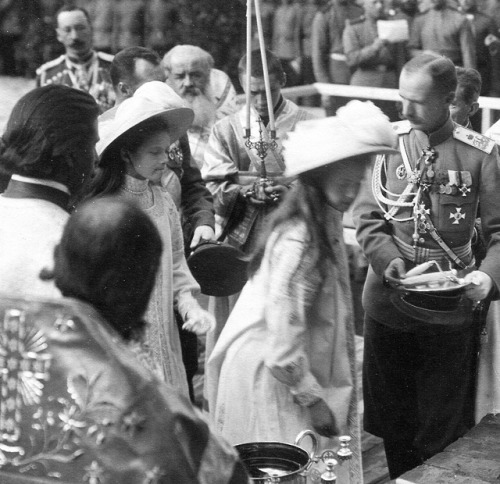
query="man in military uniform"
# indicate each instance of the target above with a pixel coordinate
(418, 371)
(466, 105)
(372, 59)
(444, 30)
(329, 60)
(80, 67)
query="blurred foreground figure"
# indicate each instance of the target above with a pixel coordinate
(84, 409)
(285, 360)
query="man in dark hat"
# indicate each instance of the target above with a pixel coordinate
(49, 149)
(419, 358)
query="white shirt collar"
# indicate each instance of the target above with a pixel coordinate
(40, 181)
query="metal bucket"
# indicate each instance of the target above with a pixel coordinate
(273, 462)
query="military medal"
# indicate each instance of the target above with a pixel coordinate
(466, 179)
(401, 172)
(455, 181)
(464, 189)
(423, 227)
(458, 215)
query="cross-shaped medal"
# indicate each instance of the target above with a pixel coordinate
(464, 189)
(422, 211)
(458, 215)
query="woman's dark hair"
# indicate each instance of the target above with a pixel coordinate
(305, 202)
(108, 257)
(110, 172)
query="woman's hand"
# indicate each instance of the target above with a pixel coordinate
(199, 321)
(323, 420)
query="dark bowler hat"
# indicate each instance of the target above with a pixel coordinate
(219, 268)
(438, 308)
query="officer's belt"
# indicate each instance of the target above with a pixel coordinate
(418, 255)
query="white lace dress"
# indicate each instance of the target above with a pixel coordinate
(174, 283)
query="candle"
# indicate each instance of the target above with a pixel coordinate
(270, 107)
(249, 66)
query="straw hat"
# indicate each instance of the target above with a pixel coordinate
(151, 99)
(358, 128)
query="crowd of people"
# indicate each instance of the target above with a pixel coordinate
(115, 168)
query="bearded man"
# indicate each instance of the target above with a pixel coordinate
(208, 92)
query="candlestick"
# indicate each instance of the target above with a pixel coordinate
(270, 107)
(249, 66)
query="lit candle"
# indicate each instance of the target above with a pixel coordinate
(249, 65)
(270, 107)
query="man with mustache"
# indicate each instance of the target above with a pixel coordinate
(80, 66)
(420, 347)
(208, 92)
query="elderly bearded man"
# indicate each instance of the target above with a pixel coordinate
(418, 381)
(208, 91)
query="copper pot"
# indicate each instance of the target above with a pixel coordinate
(273, 462)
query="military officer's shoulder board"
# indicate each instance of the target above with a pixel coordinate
(472, 138)
(50, 65)
(105, 56)
(401, 127)
(354, 21)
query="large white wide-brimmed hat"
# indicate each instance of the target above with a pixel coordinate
(358, 128)
(153, 98)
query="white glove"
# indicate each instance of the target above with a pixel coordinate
(199, 321)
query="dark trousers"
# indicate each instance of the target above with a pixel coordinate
(418, 390)
(189, 347)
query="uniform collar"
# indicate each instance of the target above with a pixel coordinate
(78, 64)
(436, 137)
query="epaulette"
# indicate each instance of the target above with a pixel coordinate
(354, 21)
(50, 64)
(105, 56)
(471, 138)
(401, 127)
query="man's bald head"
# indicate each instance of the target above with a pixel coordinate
(188, 70)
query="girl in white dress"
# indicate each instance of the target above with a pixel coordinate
(285, 360)
(133, 153)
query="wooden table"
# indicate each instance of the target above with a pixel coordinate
(473, 459)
